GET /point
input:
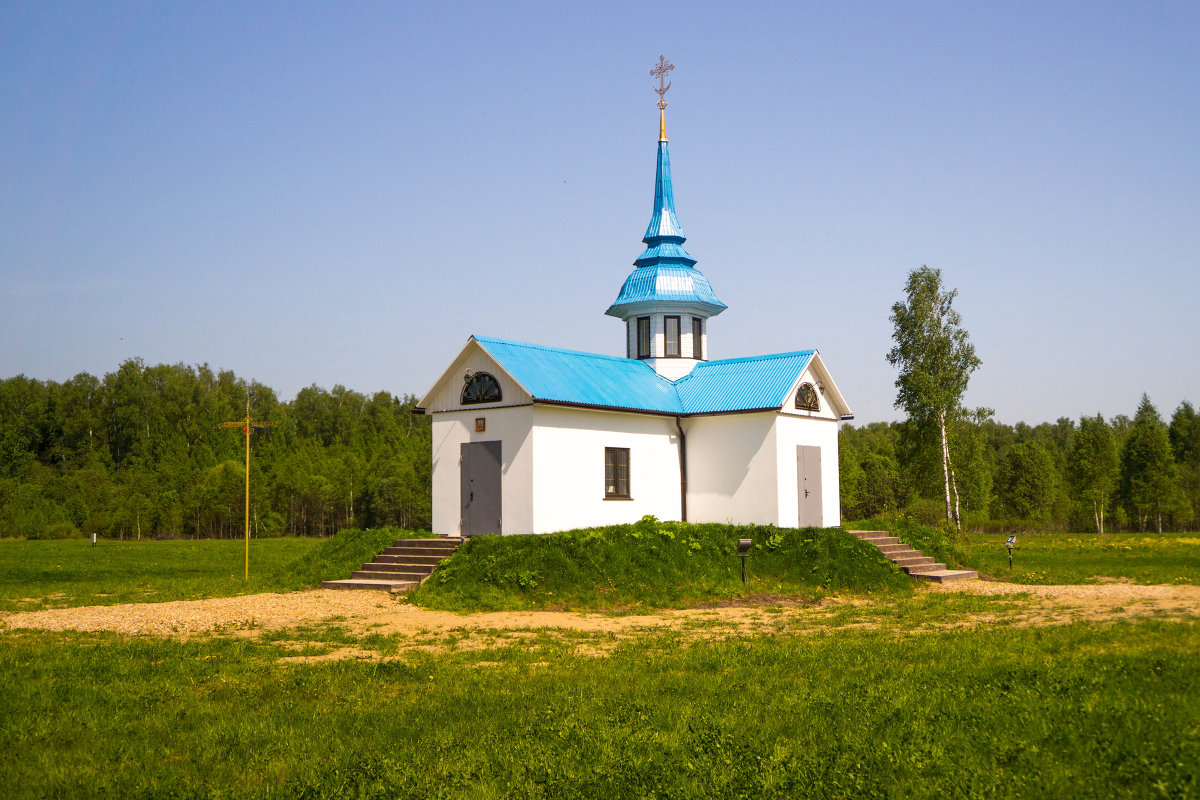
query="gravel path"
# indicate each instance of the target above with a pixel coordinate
(376, 612)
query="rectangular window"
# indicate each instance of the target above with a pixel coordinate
(616, 472)
(643, 337)
(672, 330)
(697, 339)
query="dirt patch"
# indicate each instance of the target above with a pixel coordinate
(1117, 599)
(365, 613)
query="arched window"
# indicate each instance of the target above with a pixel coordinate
(481, 388)
(806, 398)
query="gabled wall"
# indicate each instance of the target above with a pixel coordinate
(446, 394)
(832, 405)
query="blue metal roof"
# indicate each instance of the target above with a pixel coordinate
(675, 282)
(665, 272)
(591, 379)
(555, 375)
(741, 384)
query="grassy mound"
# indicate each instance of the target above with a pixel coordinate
(651, 564)
(338, 556)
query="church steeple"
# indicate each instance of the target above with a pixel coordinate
(666, 302)
(663, 222)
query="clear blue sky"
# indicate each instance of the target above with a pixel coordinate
(344, 192)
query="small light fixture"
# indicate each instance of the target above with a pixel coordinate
(1009, 544)
(743, 551)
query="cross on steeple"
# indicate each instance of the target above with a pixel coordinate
(660, 72)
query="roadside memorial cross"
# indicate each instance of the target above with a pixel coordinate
(247, 427)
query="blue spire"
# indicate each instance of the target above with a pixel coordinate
(666, 274)
(663, 222)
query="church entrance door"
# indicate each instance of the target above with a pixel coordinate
(808, 472)
(480, 486)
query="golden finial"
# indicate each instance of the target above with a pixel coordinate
(660, 72)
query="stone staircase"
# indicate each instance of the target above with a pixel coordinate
(400, 567)
(913, 562)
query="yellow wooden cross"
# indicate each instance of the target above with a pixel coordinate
(247, 427)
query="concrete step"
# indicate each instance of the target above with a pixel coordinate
(415, 569)
(386, 586)
(394, 577)
(915, 563)
(882, 538)
(912, 561)
(427, 544)
(924, 569)
(408, 558)
(945, 575)
(418, 550)
(400, 566)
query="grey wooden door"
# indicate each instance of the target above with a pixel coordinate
(480, 482)
(808, 473)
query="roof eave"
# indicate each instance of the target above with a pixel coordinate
(627, 310)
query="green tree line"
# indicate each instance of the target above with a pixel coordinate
(1140, 473)
(142, 453)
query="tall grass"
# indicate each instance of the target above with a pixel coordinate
(651, 563)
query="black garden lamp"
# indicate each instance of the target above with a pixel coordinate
(1009, 544)
(743, 551)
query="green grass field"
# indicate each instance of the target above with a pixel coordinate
(1087, 557)
(1076, 711)
(882, 697)
(70, 572)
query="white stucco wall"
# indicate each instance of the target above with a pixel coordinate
(672, 368)
(512, 427)
(791, 431)
(568, 467)
(732, 469)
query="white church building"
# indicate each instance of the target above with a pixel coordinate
(530, 438)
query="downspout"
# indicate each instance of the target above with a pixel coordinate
(682, 471)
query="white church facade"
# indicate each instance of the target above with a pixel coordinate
(534, 439)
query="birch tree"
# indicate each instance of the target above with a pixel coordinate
(935, 358)
(1092, 466)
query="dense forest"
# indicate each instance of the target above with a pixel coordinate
(1139, 473)
(143, 453)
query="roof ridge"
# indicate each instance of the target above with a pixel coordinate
(552, 349)
(765, 357)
